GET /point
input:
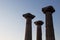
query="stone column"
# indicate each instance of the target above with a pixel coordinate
(39, 31)
(49, 22)
(28, 33)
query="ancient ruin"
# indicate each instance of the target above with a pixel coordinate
(28, 17)
(48, 11)
(39, 30)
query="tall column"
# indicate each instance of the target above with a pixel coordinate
(39, 31)
(49, 22)
(28, 33)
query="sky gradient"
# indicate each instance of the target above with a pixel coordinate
(12, 23)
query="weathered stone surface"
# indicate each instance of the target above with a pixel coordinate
(28, 33)
(39, 31)
(49, 22)
(28, 15)
(48, 9)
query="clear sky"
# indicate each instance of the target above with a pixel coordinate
(12, 23)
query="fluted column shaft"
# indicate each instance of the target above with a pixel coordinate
(28, 34)
(48, 11)
(39, 32)
(49, 27)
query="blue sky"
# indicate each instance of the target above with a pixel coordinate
(12, 23)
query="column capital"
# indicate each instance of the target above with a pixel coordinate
(28, 15)
(38, 22)
(48, 9)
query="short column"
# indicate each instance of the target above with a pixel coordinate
(39, 31)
